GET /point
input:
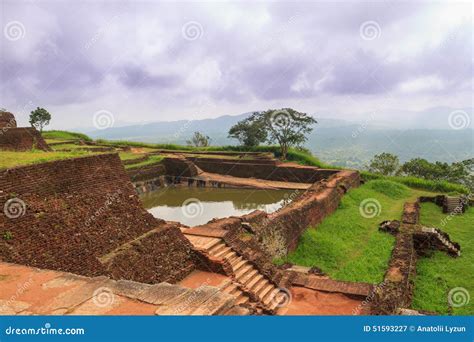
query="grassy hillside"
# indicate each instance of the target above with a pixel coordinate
(64, 135)
(347, 245)
(440, 273)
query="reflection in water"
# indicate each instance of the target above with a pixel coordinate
(194, 206)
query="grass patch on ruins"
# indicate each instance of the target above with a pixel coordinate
(10, 159)
(439, 274)
(70, 146)
(348, 246)
(150, 161)
(419, 183)
(64, 135)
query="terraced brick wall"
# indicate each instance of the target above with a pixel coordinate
(67, 215)
(21, 139)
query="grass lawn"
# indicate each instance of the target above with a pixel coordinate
(10, 159)
(348, 246)
(154, 159)
(129, 155)
(440, 273)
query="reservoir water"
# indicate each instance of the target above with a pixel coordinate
(194, 206)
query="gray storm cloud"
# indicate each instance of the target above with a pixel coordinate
(155, 61)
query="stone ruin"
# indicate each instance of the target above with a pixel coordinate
(15, 138)
(7, 120)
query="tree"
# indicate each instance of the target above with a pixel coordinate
(40, 118)
(419, 167)
(250, 132)
(385, 163)
(199, 140)
(287, 127)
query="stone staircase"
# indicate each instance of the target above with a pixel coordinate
(248, 285)
(453, 205)
(442, 241)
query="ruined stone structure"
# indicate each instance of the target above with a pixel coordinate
(19, 138)
(83, 216)
(7, 120)
(412, 242)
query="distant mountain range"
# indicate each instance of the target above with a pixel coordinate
(428, 134)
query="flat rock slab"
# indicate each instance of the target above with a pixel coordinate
(329, 285)
(161, 294)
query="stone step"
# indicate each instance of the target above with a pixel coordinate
(222, 252)
(238, 264)
(229, 289)
(254, 280)
(209, 246)
(229, 255)
(232, 260)
(270, 296)
(235, 261)
(260, 285)
(216, 248)
(261, 294)
(242, 299)
(243, 270)
(248, 276)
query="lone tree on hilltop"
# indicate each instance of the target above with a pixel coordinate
(199, 140)
(250, 132)
(386, 164)
(285, 126)
(40, 118)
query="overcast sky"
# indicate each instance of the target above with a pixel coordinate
(148, 60)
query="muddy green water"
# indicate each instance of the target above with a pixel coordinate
(195, 206)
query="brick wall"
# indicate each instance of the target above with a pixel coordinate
(21, 139)
(297, 174)
(279, 232)
(162, 254)
(74, 212)
(180, 167)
